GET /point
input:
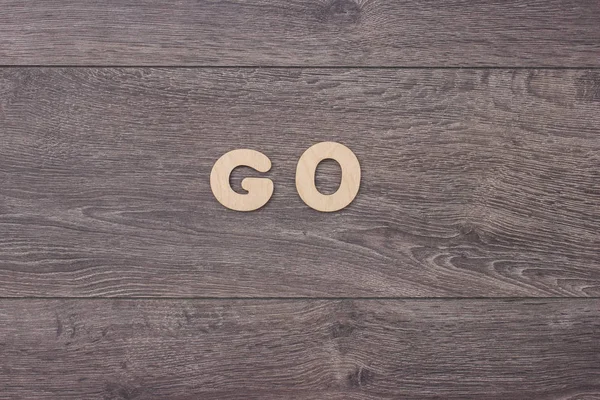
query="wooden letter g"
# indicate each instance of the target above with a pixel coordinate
(259, 190)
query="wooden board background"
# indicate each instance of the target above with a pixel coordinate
(478, 183)
(526, 33)
(468, 267)
(252, 349)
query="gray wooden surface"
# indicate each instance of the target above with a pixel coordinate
(468, 267)
(477, 183)
(355, 349)
(533, 33)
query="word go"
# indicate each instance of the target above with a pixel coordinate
(260, 190)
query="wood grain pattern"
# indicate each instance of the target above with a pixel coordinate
(529, 33)
(225, 350)
(474, 182)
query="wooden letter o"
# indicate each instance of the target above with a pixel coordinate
(259, 190)
(305, 176)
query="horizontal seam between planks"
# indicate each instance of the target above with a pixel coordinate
(296, 298)
(302, 67)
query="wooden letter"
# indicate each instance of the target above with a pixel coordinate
(259, 190)
(305, 176)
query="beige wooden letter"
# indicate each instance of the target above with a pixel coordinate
(259, 190)
(305, 176)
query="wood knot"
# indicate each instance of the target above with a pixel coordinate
(588, 87)
(470, 234)
(360, 377)
(341, 329)
(120, 391)
(340, 11)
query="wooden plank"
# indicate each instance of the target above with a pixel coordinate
(225, 350)
(475, 183)
(528, 33)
